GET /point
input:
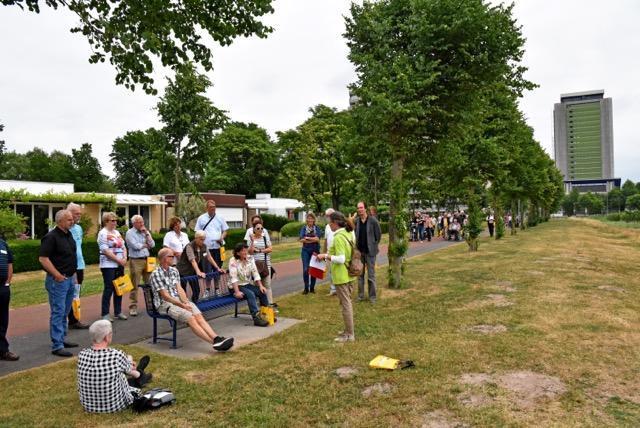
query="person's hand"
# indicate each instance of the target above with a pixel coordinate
(262, 289)
(238, 294)
(122, 262)
(143, 230)
(59, 277)
(201, 274)
(221, 270)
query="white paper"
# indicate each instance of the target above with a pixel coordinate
(318, 264)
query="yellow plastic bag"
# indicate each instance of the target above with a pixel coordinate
(222, 256)
(268, 314)
(382, 362)
(75, 305)
(151, 264)
(122, 285)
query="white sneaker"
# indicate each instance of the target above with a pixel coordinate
(133, 312)
(205, 294)
(108, 318)
(345, 338)
(121, 316)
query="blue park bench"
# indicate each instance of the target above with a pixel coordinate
(204, 304)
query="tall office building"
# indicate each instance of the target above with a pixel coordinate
(583, 141)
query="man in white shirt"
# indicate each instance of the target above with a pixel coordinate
(215, 228)
(328, 241)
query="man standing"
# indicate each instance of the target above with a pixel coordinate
(6, 274)
(328, 241)
(215, 228)
(77, 233)
(58, 258)
(139, 242)
(490, 223)
(368, 236)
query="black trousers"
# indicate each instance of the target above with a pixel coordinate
(5, 297)
(72, 318)
(491, 226)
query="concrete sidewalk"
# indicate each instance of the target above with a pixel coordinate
(29, 326)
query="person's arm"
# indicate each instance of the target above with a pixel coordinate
(10, 266)
(252, 247)
(10, 273)
(225, 228)
(182, 302)
(377, 232)
(213, 262)
(149, 239)
(302, 236)
(256, 277)
(268, 249)
(51, 269)
(130, 240)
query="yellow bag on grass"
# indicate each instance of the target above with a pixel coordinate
(382, 362)
(122, 285)
(151, 264)
(268, 314)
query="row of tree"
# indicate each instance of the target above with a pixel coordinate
(616, 200)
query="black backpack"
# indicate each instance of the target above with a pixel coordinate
(153, 399)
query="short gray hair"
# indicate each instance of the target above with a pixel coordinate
(99, 330)
(200, 234)
(61, 214)
(136, 218)
(164, 252)
(73, 205)
(329, 211)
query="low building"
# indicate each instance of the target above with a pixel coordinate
(283, 207)
(230, 206)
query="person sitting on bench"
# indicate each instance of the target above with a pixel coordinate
(102, 373)
(246, 282)
(169, 298)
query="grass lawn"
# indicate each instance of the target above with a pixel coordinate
(625, 224)
(567, 293)
(28, 287)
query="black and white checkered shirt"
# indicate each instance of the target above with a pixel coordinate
(102, 383)
(164, 280)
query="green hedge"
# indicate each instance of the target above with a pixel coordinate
(274, 222)
(628, 216)
(291, 229)
(384, 226)
(25, 253)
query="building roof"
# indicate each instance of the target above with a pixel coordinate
(227, 200)
(36, 187)
(583, 93)
(132, 199)
(274, 203)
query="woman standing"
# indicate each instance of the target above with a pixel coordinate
(175, 239)
(260, 248)
(113, 259)
(310, 238)
(339, 257)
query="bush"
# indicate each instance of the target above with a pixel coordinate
(384, 226)
(233, 237)
(633, 202)
(274, 222)
(614, 217)
(291, 229)
(11, 224)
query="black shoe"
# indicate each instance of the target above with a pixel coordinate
(78, 326)
(62, 353)
(258, 321)
(9, 356)
(312, 291)
(143, 363)
(144, 379)
(306, 291)
(70, 345)
(221, 343)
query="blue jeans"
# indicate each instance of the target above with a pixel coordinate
(421, 232)
(108, 275)
(60, 298)
(251, 292)
(306, 260)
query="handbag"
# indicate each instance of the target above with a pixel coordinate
(153, 399)
(151, 264)
(268, 314)
(355, 266)
(263, 268)
(122, 285)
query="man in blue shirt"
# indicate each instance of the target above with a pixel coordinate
(216, 229)
(139, 242)
(6, 273)
(77, 233)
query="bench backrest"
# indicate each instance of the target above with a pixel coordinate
(148, 298)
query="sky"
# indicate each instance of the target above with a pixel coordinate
(52, 98)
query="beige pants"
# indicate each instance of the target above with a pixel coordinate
(266, 282)
(137, 270)
(344, 292)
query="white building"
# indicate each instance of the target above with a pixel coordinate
(283, 207)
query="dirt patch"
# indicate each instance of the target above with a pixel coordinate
(528, 388)
(504, 283)
(535, 273)
(487, 329)
(346, 372)
(476, 379)
(377, 389)
(612, 288)
(196, 377)
(442, 419)
(499, 300)
(474, 401)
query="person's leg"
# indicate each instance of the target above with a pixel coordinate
(107, 291)
(197, 329)
(363, 258)
(204, 325)
(117, 300)
(70, 293)
(306, 259)
(5, 297)
(344, 297)
(207, 269)
(136, 267)
(371, 277)
(251, 300)
(73, 321)
(267, 284)
(58, 316)
(195, 290)
(262, 297)
(217, 257)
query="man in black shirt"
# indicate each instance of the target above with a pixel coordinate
(6, 273)
(368, 236)
(58, 258)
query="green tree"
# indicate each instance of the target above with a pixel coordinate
(131, 34)
(629, 189)
(132, 157)
(88, 176)
(616, 200)
(242, 159)
(190, 207)
(11, 224)
(420, 64)
(633, 202)
(189, 119)
(570, 203)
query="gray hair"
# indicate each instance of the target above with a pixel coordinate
(165, 252)
(60, 215)
(99, 330)
(73, 205)
(200, 234)
(329, 211)
(136, 218)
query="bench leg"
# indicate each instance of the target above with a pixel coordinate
(174, 324)
(155, 330)
(236, 314)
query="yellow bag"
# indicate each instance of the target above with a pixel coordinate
(268, 314)
(151, 264)
(75, 305)
(382, 362)
(222, 256)
(122, 285)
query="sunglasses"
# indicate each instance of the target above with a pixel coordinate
(257, 228)
(112, 220)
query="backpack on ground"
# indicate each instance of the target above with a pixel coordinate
(153, 399)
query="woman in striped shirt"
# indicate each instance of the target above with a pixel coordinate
(260, 248)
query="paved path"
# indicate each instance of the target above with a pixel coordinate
(29, 326)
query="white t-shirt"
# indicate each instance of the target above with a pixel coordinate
(328, 235)
(112, 241)
(214, 229)
(175, 242)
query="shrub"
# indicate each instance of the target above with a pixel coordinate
(614, 217)
(291, 229)
(86, 223)
(633, 202)
(384, 226)
(11, 224)
(233, 237)
(274, 222)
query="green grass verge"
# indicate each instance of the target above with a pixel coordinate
(574, 316)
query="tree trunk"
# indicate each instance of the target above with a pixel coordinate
(514, 229)
(498, 218)
(176, 182)
(397, 222)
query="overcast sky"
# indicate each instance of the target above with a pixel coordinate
(51, 97)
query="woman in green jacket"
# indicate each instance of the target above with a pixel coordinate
(339, 257)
